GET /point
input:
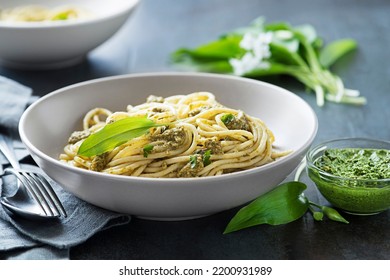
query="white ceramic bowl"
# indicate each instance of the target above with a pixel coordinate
(54, 44)
(46, 125)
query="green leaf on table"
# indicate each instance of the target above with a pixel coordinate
(284, 53)
(291, 44)
(115, 134)
(282, 205)
(273, 69)
(204, 64)
(293, 50)
(276, 26)
(211, 57)
(224, 48)
(335, 50)
(308, 31)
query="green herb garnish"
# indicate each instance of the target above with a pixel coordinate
(115, 134)
(147, 149)
(193, 161)
(206, 154)
(276, 49)
(282, 205)
(206, 157)
(227, 118)
(63, 15)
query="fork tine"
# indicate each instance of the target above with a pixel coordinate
(29, 187)
(50, 192)
(37, 186)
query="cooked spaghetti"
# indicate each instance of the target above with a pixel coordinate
(35, 13)
(203, 138)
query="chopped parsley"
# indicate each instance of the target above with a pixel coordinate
(193, 161)
(206, 157)
(227, 118)
(147, 149)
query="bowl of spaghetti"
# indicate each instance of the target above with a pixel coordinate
(47, 34)
(169, 146)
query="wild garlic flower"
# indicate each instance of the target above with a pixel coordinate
(257, 51)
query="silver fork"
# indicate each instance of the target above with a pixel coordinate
(34, 198)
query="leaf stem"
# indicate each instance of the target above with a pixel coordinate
(317, 215)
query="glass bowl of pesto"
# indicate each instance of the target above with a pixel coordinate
(353, 174)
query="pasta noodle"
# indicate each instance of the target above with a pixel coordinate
(203, 138)
(40, 13)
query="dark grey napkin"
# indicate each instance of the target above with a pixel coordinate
(14, 98)
(24, 239)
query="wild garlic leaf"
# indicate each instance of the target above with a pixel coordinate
(282, 205)
(293, 51)
(292, 45)
(204, 64)
(277, 26)
(223, 48)
(307, 31)
(115, 134)
(226, 47)
(283, 54)
(274, 69)
(335, 50)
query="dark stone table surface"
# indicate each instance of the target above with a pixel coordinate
(143, 45)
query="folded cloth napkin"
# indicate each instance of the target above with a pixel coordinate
(26, 239)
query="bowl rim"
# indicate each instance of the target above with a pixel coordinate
(322, 147)
(81, 171)
(68, 23)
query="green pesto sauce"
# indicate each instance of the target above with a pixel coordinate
(354, 163)
(359, 197)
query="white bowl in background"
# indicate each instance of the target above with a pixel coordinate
(54, 44)
(46, 125)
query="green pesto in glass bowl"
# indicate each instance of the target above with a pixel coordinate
(352, 174)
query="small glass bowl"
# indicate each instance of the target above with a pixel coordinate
(353, 196)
